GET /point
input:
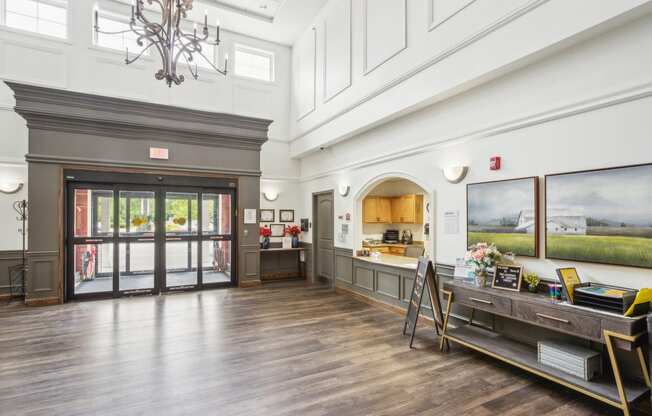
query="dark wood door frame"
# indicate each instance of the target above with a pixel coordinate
(315, 235)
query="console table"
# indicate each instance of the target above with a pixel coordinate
(612, 330)
(281, 263)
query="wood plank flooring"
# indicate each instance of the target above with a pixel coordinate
(274, 350)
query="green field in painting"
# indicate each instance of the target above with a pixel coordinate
(517, 243)
(629, 251)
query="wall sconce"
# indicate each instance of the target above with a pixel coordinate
(270, 196)
(11, 188)
(344, 190)
(455, 174)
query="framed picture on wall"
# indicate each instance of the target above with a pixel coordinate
(267, 215)
(600, 216)
(278, 230)
(505, 213)
(286, 215)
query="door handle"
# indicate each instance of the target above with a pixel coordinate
(145, 239)
(553, 318)
(486, 302)
(90, 241)
(173, 239)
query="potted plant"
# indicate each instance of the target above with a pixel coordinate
(532, 281)
(294, 231)
(482, 256)
(265, 234)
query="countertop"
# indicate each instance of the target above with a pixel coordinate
(401, 245)
(390, 260)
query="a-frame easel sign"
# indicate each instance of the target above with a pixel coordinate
(425, 275)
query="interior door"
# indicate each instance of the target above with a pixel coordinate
(325, 239)
(216, 237)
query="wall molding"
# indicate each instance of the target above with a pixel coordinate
(365, 65)
(312, 109)
(484, 32)
(617, 97)
(328, 97)
(74, 161)
(432, 24)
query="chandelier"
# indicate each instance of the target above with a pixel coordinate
(173, 44)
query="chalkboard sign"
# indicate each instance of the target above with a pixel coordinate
(507, 277)
(425, 275)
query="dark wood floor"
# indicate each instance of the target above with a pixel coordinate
(268, 351)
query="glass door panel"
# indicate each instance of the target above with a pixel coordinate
(92, 268)
(137, 265)
(136, 240)
(181, 248)
(217, 216)
(216, 262)
(93, 213)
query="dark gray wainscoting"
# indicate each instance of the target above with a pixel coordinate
(308, 261)
(8, 260)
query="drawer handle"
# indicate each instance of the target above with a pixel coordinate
(486, 302)
(553, 318)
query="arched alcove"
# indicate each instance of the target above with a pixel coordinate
(374, 183)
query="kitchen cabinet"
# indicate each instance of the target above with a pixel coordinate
(407, 209)
(377, 210)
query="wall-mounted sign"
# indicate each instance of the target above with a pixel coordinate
(507, 277)
(250, 216)
(451, 222)
(159, 153)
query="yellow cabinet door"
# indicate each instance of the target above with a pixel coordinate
(370, 210)
(407, 209)
(408, 212)
(384, 213)
(397, 208)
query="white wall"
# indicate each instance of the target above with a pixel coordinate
(392, 57)
(77, 64)
(587, 106)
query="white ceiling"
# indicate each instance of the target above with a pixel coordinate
(277, 21)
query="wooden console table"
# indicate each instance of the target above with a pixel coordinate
(281, 263)
(614, 331)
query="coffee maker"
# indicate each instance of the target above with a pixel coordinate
(406, 237)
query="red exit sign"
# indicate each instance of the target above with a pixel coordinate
(159, 153)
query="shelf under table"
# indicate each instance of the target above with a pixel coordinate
(525, 357)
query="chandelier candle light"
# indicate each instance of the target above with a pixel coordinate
(169, 39)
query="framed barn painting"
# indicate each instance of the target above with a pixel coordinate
(506, 214)
(601, 216)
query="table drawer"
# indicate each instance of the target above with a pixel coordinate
(572, 323)
(483, 301)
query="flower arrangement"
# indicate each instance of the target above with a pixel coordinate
(265, 233)
(532, 280)
(482, 256)
(293, 230)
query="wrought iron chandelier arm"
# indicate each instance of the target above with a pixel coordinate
(142, 52)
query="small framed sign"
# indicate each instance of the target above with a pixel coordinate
(267, 215)
(508, 277)
(286, 215)
(278, 230)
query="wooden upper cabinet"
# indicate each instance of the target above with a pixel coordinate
(406, 209)
(377, 209)
(370, 210)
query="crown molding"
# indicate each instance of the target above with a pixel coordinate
(75, 112)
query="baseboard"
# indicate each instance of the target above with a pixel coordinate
(375, 302)
(43, 301)
(249, 283)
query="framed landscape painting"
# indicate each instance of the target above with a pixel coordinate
(506, 214)
(601, 216)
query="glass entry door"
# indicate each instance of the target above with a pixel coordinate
(128, 240)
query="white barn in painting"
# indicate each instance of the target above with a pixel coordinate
(566, 221)
(526, 221)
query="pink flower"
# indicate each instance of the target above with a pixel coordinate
(479, 254)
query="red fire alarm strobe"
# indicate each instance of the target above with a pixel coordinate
(494, 163)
